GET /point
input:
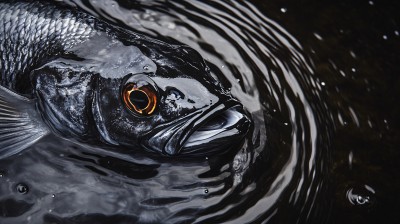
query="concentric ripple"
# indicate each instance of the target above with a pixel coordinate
(277, 175)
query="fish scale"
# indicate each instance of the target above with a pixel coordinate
(54, 30)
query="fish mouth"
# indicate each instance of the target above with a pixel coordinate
(203, 132)
(217, 132)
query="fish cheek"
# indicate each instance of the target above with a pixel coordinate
(64, 100)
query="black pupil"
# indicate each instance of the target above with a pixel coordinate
(139, 99)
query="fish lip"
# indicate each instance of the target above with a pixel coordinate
(181, 130)
(236, 126)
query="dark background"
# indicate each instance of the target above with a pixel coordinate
(354, 46)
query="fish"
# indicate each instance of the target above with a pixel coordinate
(67, 73)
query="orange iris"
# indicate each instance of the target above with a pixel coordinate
(142, 100)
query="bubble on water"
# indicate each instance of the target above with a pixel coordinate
(206, 191)
(22, 188)
(353, 69)
(361, 196)
(323, 84)
(283, 10)
(385, 37)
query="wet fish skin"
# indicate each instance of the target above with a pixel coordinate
(74, 66)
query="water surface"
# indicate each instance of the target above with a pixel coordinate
(320, 82)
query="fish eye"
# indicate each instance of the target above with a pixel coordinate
(141, 99)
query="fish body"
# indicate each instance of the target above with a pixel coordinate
(66, 72)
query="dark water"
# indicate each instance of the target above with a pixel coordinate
(321, 82)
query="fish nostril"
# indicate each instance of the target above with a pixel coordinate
(173, 92)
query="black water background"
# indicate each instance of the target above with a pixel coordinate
(361, 40)
(352, 50)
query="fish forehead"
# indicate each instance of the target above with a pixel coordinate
(112, 59)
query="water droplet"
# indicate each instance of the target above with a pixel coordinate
(353, 70)
(396, 33)
(361, 196)
(351, 159)
(237, 80)
(206, 191)
(353, 54)
(322, 83)
(53, 195)
(384, 37)
(22, 188)
(283, 10)
(318, 36)
(286, 124)
(206, 158)
(223, 66)
(371, 2)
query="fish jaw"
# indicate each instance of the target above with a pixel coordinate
(203, 132)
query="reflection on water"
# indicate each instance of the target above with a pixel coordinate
(282, 173)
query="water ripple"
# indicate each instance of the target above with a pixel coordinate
(280, 170)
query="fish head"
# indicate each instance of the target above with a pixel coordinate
(185, 109)
(155, 96)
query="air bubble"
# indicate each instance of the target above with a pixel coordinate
(22, 188)
(206, 191)
(361, 196)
